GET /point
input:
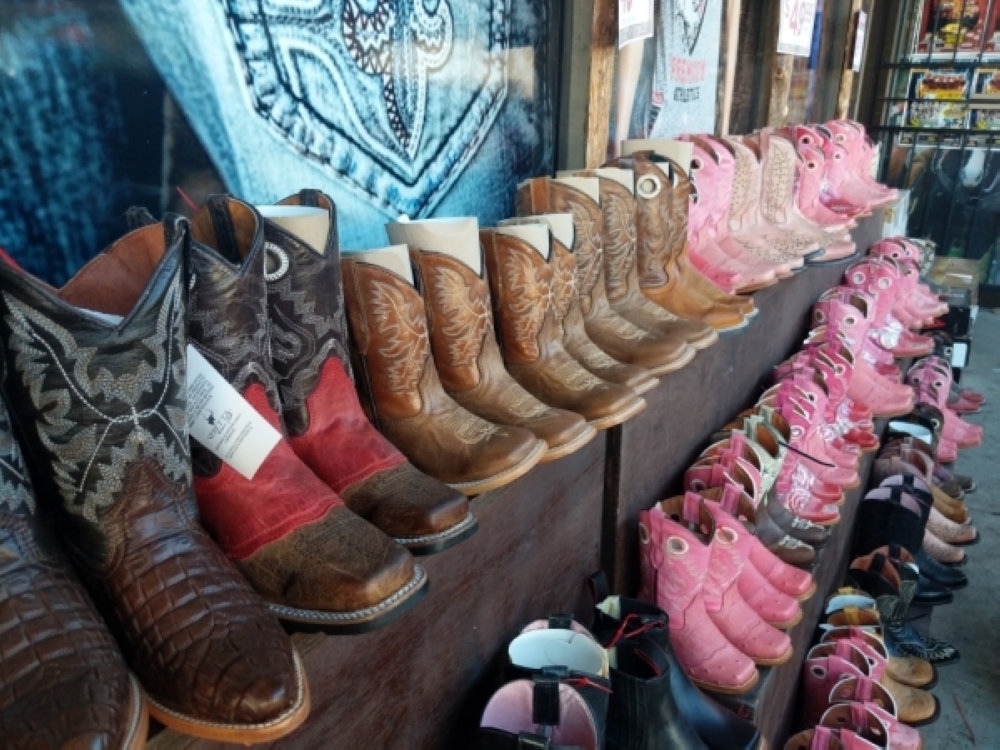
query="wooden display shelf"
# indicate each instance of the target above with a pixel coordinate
(423, 681)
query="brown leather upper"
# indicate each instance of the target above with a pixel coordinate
(63, 682)
(460, 319)
(189, 625)
(617, 336)
(666, 275)
(521, 282)
(569, 317)
(403, 391)
(618, 205)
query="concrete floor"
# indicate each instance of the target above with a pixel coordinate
(972, 622)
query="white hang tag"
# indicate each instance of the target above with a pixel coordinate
(223, 421)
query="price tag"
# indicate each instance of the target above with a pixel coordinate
(223, 421)
(795, 30)
(635, 21)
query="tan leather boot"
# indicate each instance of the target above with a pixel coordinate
(666, 276)
(401, 390)
(569, 317)
(460, 319)
(621, 274)
(617, 336)
(521, 282)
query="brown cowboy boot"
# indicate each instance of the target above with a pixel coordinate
(402, 391)
(566, 308)
(96, 382)
(618, 203)
(63, 682)
(666, 276)
(326, 426)
(521, 280)
(617, 336)
(460, 318)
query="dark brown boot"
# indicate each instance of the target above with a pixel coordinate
(666, 275)
(96, 382)
(566, 309)
(460, 318)
(521, 279)
(618, 204)
(312, 559)
(63, 682)
(401, 388)
(326, 426)
(618, 337)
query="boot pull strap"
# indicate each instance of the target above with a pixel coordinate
(540, 194)
(225, 231)
(545, 699)
(598, 585)
(529, 741)
(309, 197)
(560, 621)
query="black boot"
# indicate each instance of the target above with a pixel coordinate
(717, 727)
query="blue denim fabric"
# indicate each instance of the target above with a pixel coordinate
(417, 107)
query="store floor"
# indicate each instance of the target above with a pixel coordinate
(972, 623)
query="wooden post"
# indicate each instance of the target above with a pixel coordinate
(847, 76)
(781, 86)
(732, 37)
(604, 38)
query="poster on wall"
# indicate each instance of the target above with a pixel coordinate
(686, 68)
(936, 98)
(393, 107)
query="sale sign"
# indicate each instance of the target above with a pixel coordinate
(795, 32)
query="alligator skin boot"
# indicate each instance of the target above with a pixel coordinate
(326, 427)
(111, 451)
(621, 276)
(617, 336)
(569, 316)
(666, 275)
(521, 283)
(63, 682)
(402, 391)
(460, 319)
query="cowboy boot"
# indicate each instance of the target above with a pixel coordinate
(666, 275)
(63, 682)
(286, 531)
(618, 209)
(566, 308)
(111, 451)
(617, 336)
(402, 391)
(521, 283)
(326, 427)
(460, 322)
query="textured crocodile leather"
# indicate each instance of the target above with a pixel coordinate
(521, 284)
(400, 383)
(326, 426)
(62, 679)
(116, 452)
(460, 322)
(262, 523)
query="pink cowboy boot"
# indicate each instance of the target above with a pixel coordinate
(810, 184)
(806, 136)
(674, 562)
(825, 665)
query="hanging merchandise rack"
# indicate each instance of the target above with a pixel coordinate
(936, 116)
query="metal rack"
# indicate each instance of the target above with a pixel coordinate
(942, 152)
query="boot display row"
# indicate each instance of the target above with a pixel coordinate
(764, 205)
(866, 682)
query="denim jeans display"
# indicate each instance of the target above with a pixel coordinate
(391, 106)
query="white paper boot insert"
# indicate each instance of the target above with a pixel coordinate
(458, 238)
(307, 223)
